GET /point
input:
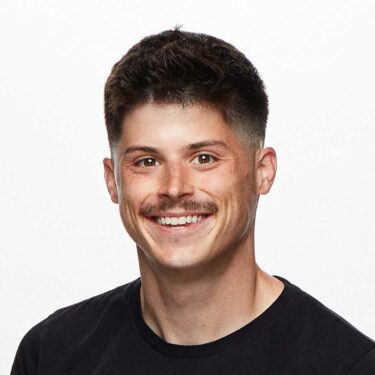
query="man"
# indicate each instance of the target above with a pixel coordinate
(186, 116)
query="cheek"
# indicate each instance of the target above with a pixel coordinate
(135, 188)
(236, 194)
(134, 191)
(233, 183)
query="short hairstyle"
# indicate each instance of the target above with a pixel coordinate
(179, 67)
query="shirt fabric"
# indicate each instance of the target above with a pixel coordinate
(106, 335)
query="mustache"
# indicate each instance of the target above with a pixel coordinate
(187, 205)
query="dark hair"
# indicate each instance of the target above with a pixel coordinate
(179, 67)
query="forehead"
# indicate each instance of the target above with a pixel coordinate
(174, 125)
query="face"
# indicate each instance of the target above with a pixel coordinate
(186, 186)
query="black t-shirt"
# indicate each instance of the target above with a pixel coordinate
(106, 334)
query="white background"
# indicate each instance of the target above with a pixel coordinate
(61, 238)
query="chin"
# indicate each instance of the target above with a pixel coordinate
(179, 258)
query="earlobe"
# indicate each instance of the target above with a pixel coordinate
(266, 169)
(109, 176)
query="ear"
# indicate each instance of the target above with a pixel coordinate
(109, 175)
(266, 165)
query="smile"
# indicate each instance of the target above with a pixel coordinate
(180, 220)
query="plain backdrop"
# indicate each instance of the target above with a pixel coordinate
(61, 238)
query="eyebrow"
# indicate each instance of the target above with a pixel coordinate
(131, 149)
(194, 146)
(191, 146)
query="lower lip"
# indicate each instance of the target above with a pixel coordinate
(183, 228)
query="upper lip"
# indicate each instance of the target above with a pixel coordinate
(178, 214)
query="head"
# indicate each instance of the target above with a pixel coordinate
(186, 116)
(177, 67)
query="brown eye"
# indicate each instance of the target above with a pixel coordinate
(204, 159)
(147, 162)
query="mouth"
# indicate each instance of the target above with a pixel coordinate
(181, 222)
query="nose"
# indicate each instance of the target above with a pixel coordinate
(176, 183)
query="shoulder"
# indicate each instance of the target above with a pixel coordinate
(365, 365)
(70, 326)
(325, 335)
(83, 313)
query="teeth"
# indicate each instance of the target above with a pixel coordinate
(179, 220)
(174, 220)
(182, 220)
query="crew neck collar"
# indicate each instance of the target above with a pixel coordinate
(247, 332)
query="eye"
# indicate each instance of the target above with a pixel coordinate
(147, 162)
(204, 159)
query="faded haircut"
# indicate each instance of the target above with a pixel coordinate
(179, 67)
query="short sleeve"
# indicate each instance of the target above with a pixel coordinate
(366, 365)
(26, 358)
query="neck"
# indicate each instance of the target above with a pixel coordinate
(193, 307)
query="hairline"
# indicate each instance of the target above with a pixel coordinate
(251, 145)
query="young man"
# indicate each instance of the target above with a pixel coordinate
(186, 116)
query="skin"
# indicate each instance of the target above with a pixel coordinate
(199, 282)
